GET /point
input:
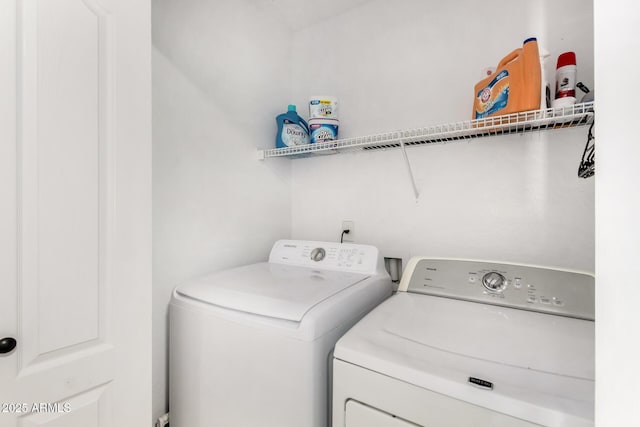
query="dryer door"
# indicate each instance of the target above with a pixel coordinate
(359, 415)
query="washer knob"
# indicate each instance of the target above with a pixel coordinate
(494, 281)
(318, 254)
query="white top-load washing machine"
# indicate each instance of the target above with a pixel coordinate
(252, 346)
(468, 343)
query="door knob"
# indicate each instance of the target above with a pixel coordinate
(7, 344)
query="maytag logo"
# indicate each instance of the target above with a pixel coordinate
(290, 246)
(481, 383)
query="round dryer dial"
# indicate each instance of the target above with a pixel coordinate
(318, 254)
(494, 281)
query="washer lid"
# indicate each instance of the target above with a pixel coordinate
(267, 289)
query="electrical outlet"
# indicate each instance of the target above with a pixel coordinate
(348, 225)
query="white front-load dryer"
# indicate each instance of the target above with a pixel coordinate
(252, 346)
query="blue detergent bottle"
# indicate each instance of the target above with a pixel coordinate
(292, 129)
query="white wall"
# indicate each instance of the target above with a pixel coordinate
(221, 73)
(405, 64)
(223, 70)
(617, 31)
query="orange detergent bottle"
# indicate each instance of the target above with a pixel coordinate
(513, 87)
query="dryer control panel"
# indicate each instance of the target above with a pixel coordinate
(539, 289)
(328, 255)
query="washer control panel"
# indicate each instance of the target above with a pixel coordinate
(539, 289)
(327, 255)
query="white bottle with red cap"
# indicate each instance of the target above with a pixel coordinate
(565, 80)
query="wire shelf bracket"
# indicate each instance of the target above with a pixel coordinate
(416, 193)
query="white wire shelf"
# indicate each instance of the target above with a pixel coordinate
(529, 121)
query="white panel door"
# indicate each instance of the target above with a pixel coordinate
(75, 213)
